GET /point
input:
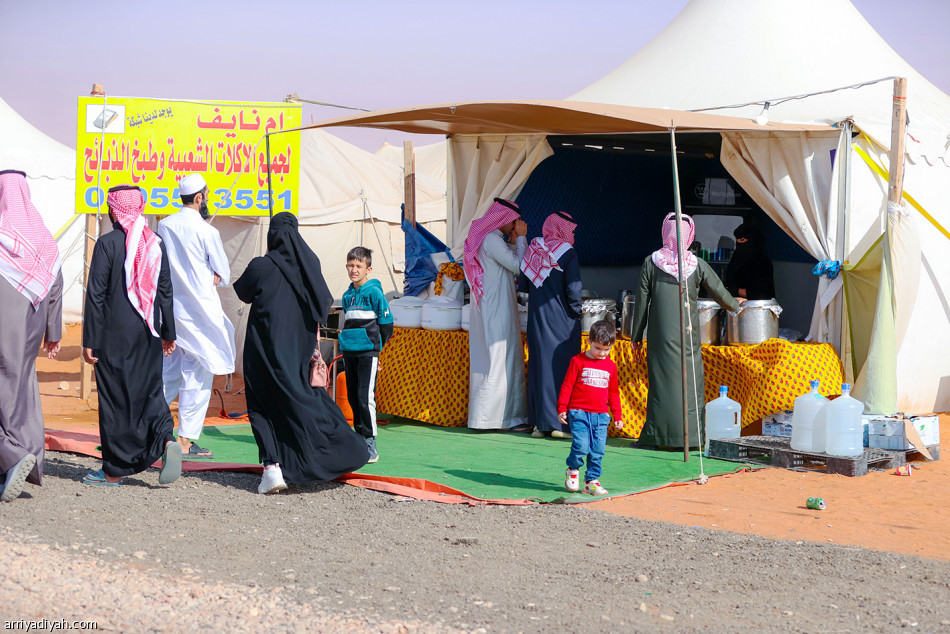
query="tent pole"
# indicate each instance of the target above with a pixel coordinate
(843, 240)
(270, 191)
(683, 296)
(895, 181)
(409, 181)
(89, 244)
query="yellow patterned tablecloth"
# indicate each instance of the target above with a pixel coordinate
(424, 377)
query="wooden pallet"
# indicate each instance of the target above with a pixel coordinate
(777, 452)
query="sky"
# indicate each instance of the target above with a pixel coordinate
(363, 53)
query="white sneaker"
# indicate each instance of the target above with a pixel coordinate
(557, 433)
(593, 488)
(572, 479)
(272, 481)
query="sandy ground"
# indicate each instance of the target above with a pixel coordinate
(143, 557)
(208, 552)
(880, 510)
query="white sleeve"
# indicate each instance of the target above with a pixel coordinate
(496, 248)
(217, 258)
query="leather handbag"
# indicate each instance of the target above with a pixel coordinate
(319, 372)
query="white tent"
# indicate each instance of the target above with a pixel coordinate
(50, 169)
(818, 64)
(732, 52)
(341, 188)
(431, 159)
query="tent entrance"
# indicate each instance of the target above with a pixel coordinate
(618, 188)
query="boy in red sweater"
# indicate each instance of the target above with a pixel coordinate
(589, 387)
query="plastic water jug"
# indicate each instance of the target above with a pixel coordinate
(818, 429)
(723, 416)
(844, 435)
(805, 410)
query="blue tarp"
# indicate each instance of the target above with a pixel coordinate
(420, 245)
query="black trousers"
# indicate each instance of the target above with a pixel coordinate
(361, 393)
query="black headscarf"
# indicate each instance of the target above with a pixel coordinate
(750, 266)
(299, 264)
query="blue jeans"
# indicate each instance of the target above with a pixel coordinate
(589, 431)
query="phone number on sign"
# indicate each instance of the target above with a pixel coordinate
(220, 199)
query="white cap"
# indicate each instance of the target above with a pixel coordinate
(191, 184)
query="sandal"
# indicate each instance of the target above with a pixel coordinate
(98, 478)
(197, 453)
(171, 463)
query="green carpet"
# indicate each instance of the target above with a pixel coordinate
(492, 465)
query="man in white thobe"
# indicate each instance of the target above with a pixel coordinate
(496, 354)
(205, 335)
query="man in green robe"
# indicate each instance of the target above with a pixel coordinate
(658, 292)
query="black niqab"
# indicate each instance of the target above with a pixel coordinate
(299, 264)
(750, 267)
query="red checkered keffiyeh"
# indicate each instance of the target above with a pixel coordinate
(498, 215)
(557, 236)
(29, 257)
(143, 255)
(665, 258)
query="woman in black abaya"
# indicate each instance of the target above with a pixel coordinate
(749, 273)
(301, 433)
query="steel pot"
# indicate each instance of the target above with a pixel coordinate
(756, 321)
(596, 309)
(626, 320)
(710, 321)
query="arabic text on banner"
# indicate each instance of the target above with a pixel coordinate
(153, 143)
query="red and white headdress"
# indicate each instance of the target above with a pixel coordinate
(143, 255)
(557, 236)
(29, 257)
(499, 214)
(665, 258)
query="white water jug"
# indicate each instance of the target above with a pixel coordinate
(805, 410)
(844, 435)
(723, 417)
(818, 429)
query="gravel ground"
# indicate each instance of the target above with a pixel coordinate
(209, 553)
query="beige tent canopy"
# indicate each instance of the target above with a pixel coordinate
(546, 117)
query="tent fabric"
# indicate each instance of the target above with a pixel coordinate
(793, 180)
(545, 117)
(334, 172)
(50, 170)
(715, 68)
(430, 159)
(697, 62)
(485, 168)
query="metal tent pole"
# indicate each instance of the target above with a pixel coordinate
(683, 295)
(270, 191)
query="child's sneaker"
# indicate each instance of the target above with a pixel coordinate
(593, 488)
(571, 479)
(373, 452)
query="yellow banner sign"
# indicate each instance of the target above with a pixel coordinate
(153, 143)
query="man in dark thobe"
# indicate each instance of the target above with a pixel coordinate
(128, 323)
(31, 293)
(552, 277)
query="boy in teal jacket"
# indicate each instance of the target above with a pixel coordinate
(367, 326)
